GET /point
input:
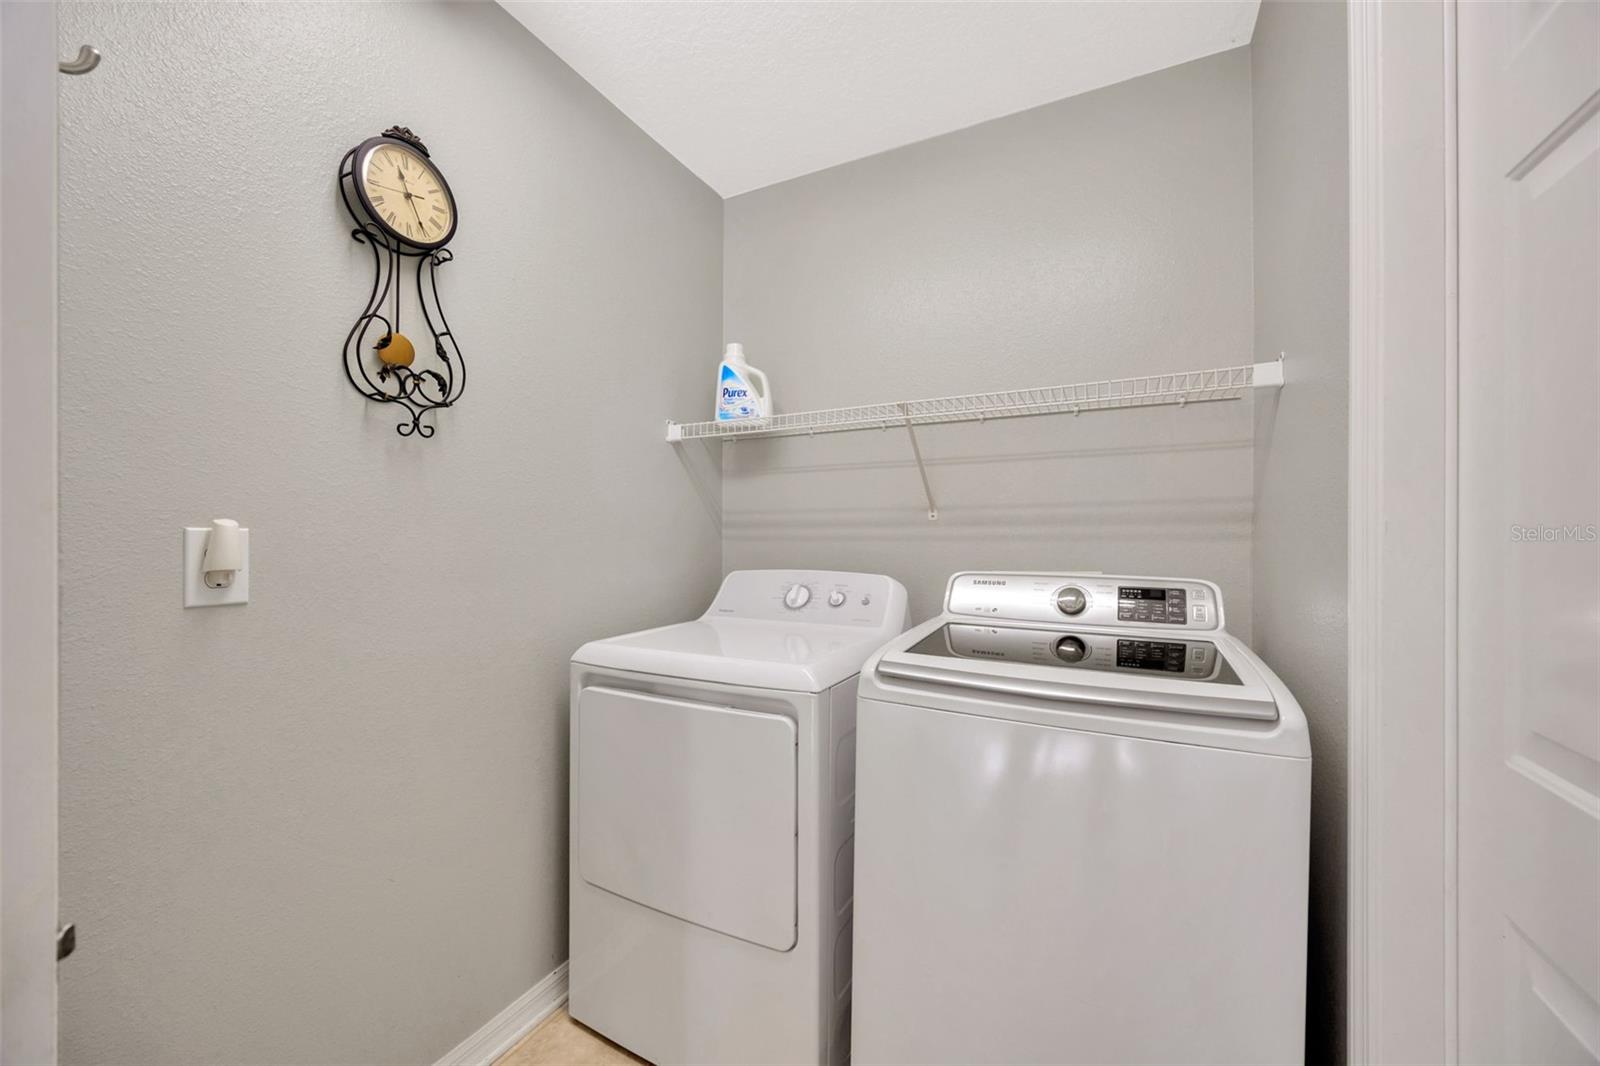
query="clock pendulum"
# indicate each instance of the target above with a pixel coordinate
(395, 349)
(405, 212)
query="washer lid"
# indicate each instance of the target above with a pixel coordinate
(793, 657)
(1121, 682)
(1118, 668)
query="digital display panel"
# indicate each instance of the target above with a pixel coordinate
(1165, 656)
(1148, 606)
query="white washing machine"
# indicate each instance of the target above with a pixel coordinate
(713, 800)
(1082, 832)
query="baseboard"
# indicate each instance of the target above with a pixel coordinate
(501, 1033)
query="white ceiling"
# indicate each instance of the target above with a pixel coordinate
(746, 93)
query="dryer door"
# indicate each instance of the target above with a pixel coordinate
(689, 808)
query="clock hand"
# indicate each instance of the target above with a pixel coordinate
(412, 200)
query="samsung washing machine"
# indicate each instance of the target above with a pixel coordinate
(713, 795)
(1081, 832)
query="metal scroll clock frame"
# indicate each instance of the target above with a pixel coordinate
(417, 390)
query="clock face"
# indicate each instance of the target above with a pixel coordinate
(405, 194)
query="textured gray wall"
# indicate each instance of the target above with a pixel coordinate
(1103, 236)
(331, 826)
(1302, 307)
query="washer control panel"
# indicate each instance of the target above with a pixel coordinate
(1105, 600)
(827, 597)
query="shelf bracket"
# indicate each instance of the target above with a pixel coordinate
(1268, 375)
(922, 471)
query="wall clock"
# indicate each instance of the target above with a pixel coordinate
(405, 212)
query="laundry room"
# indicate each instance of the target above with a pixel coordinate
(974, 532)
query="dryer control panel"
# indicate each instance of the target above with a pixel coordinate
(826, 597)
(1102, 600)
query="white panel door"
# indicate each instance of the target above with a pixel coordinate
(689, 808)
(1528, 968)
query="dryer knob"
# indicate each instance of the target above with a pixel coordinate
(1071, 650)
(836, 598)
(797, 597)
(1071, 600)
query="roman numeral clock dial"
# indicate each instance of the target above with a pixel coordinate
(408, 196)
(405, 212)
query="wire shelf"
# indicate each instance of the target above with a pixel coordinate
(1196, 386)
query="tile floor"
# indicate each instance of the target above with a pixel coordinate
(560, 1041)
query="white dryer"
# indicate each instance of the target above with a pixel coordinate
(713, 799)
(1082, 832)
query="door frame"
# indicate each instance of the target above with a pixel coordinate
(28, 522)
(1403, 532)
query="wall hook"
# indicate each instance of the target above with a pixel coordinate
(88, 59)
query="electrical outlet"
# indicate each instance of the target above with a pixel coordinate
(196, 593)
